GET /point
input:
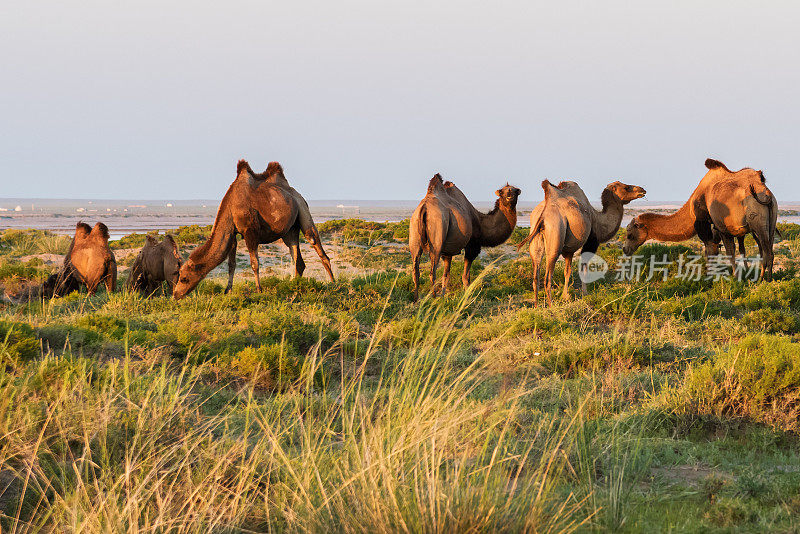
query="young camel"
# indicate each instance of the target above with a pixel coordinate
(445, 223)
(262, 208)
(157, 262)
(725, 206)
(566, 212)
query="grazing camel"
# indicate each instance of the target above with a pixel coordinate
(262, 208)
(566, 222)
(725, 206)
(445, 223)
(88, 261)
(157, 262)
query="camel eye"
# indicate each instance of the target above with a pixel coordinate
(184, 280)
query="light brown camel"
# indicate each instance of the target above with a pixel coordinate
(445, 223)
(730, 203)
(89, 261)
(157, 262)
(559, 227)
(262, 208)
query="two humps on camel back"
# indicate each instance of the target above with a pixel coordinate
(156, 263)
(89, 261)
(446, 223)
(262, 208)
(724, 206)
(565, 222)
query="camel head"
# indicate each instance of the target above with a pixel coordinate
(508, 195)
(636, 234)
(189, 275)
(626, 193)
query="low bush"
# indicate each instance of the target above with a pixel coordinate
(18, 342)
(758, 378)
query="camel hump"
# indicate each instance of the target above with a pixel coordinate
(100, 229)
(435, 182)
(548, 188)
(712, 164)
(243, 166)
(82, 229)
(169, 240)
(274, 168)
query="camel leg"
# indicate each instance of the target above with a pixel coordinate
(591, 245)
(415, 257)
(446, 260)
(552, 258)
(313, 237)
(535, 251)
(252, 248)
(231, 266)
(111, 281)
(292, 240)
(706, 235)
(434, 265)
(470, 253)
(730, 249)
(567, 275)
(742, 251)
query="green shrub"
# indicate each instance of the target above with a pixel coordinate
(758, 378)
(772, 321)
(18, 342)
(267, 366)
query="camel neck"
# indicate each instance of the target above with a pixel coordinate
(608, 220)
(215, 250)
(677, 226)
(497, 225)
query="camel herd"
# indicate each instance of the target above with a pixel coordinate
(263, 208)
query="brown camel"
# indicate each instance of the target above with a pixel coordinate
(725, 205)
(604, 225)
(89, 261)
(445, 223)
(156, 263)
(262, 208)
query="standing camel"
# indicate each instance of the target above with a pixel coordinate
(262, 208)
(725, 205)
(445, 223)
(566, 222)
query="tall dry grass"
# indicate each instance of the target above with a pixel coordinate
(152, 446)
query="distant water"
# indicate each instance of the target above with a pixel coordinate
(124, 217)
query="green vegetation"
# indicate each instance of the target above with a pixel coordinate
(644, 406)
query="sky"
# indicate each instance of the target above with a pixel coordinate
(367, 100)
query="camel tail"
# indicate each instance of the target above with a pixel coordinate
(770, 204)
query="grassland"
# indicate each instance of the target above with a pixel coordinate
(644, 406)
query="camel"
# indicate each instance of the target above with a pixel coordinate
(262, 208)
(157, 262)
(724, 206)
(566, 222)
(445, 223)
(89, 261)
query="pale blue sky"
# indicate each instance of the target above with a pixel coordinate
(367, 100)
